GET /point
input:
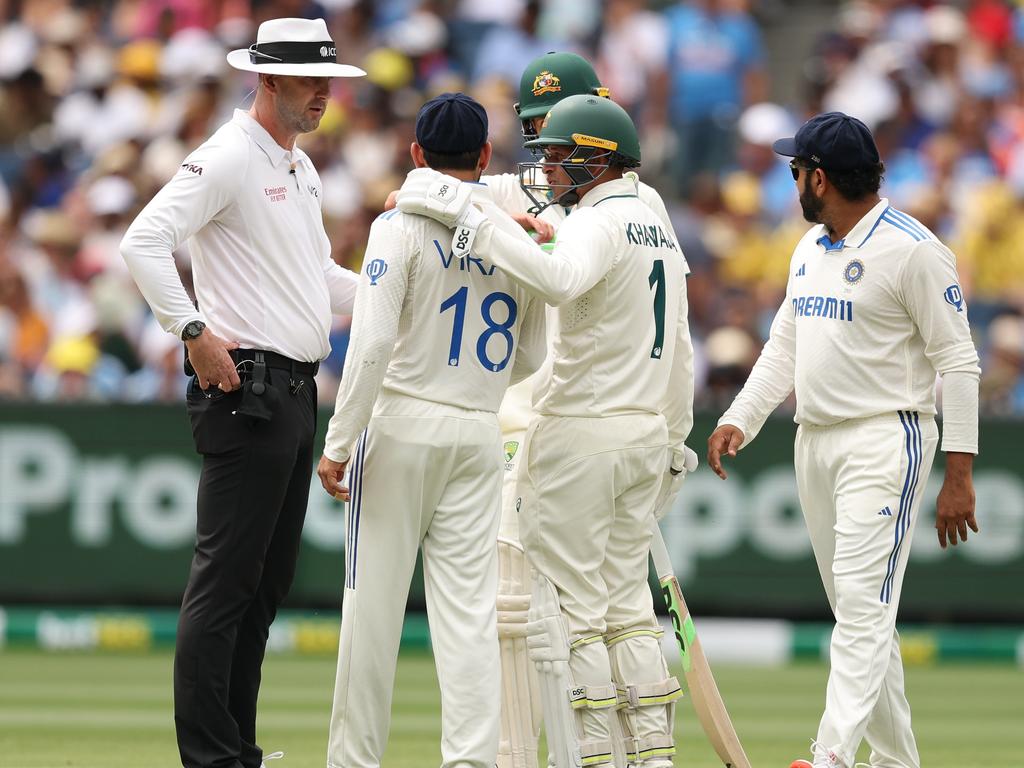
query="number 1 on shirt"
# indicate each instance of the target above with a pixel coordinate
(656, 280)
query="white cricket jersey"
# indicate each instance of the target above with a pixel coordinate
(617, 276)
(866, 324)
(433, 327)
(517, 407)
(261, 259)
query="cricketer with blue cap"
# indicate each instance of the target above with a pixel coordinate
(832, 140)
(873, 313)
(844, 171)
(451, 131)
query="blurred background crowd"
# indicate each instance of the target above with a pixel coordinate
(101, 101)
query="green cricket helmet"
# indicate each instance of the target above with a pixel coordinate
(599, 133)
(549, 79)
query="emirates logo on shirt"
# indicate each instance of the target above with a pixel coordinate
(275, 193)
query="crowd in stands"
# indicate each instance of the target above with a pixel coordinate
(100, 102)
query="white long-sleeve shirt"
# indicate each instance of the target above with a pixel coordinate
(261, 259)
(622, 342)
(433, 327)
(517, 407)
(866, 324)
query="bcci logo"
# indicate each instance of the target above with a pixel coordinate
(546, 82)
(510, 452)
(854, 271)
(954, 297)
(375, 270)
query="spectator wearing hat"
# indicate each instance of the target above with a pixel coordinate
(873, 313)
(265, 286)
(436, 339)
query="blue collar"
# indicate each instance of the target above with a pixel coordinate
(828, 245)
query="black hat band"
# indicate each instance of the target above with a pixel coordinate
(293, 53)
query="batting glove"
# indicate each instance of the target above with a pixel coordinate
(447, 201)
(672, 480)
(435, 195)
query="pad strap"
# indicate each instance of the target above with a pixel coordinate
(593, 697)
(649, 694)
(596, 752)
(627, 634)
(658, 745)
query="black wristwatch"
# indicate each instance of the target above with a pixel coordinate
(192, 330)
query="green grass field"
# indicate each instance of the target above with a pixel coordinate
(114, 711)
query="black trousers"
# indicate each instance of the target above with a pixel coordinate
(252, 502)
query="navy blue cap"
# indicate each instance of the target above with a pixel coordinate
(833, 141)
(451, 124)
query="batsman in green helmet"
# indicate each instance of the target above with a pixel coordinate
(546, 81)
(581, 139)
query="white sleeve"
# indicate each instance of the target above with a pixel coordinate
(586, 249)
(771, 380)
(678, 406)
(378, 308)
(930, 289)
(533, 341)
(206, 183)
(960, 412)
(342, 284)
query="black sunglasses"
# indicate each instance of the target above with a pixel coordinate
(795, 168)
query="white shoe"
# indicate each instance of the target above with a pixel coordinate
(823, 757)
(271, 756)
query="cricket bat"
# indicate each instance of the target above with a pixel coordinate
(707, 701)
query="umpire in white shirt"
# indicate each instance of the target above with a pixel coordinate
(265, 287)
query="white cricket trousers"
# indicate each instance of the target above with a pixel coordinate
(861, 483)
(422, 475)
(588, 487)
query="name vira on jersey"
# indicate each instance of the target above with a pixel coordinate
(464, 262)
(648, 234)
(823, 306)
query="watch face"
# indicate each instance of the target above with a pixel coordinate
(192, 330)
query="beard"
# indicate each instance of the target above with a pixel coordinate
(810, 205)
(299, 118)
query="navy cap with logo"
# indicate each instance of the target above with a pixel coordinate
(451, 124)
(833, 141)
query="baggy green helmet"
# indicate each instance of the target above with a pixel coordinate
(595, 129)
(549, 79)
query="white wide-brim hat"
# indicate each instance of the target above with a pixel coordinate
(295, 48)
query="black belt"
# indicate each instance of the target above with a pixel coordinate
(274, 360)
